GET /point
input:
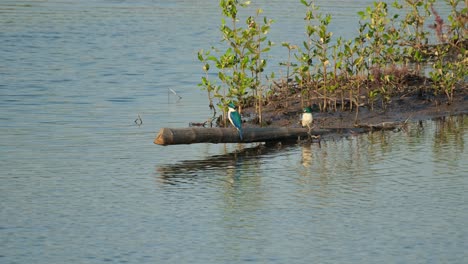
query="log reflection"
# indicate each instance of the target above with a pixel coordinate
(185, 171)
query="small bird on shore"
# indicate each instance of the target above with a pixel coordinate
(306, 119)
(235, 118)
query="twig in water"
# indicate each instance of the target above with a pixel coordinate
(194, 124)
(174, 92)
(407, 119)
(139, 121)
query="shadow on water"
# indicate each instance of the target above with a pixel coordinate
(229, 163)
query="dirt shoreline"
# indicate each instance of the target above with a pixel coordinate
(403, 108)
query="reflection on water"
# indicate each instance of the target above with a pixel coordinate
(232, 163)
(367, 198)
(353, 156)
(449, 134)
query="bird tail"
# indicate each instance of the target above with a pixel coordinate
(240, 133)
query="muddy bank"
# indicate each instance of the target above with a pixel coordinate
(409, 107)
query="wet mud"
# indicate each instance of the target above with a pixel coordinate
(411, 107)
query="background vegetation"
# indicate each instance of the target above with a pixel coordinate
(391, 54)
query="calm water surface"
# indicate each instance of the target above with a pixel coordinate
(81, 183)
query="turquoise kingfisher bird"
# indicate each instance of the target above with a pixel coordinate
(307, 118)
(235, 118)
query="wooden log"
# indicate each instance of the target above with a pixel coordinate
(173, 136)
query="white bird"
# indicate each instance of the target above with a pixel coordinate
(307, 118)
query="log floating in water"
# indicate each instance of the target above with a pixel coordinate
(173, 136)
(191, 135)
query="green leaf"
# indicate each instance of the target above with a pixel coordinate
(396, 5)
(417, 55)
(338, 64)
(244, 61)
(200, 56)
(212, 58)
(221, 76)
(310, 30)
(327, 19)
(309, 15)
(358, 61)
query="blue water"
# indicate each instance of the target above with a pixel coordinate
(81, 182)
